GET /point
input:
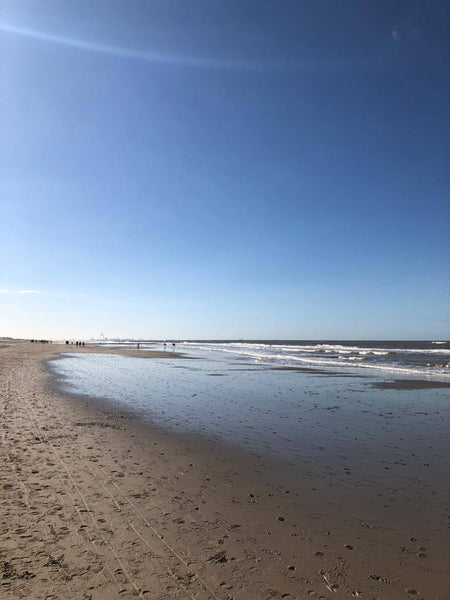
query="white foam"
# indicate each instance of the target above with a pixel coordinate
(343, 356)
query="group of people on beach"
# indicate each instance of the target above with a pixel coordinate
(41, 341)
(76, 343)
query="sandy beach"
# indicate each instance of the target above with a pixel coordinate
(95, 505)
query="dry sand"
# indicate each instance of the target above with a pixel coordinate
(95, 505)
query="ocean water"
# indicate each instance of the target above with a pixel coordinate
(429, 359)
(234, 396)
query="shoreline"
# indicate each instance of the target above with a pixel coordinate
(131, 508)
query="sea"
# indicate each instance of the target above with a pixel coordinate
(429, 359)
(295, 401)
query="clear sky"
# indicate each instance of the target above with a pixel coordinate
(233, 169)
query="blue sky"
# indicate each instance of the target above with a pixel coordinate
(232, 169)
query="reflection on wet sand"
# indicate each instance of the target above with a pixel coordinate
(288, 414)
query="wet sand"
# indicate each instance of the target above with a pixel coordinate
(95, 505)
(411, 384)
